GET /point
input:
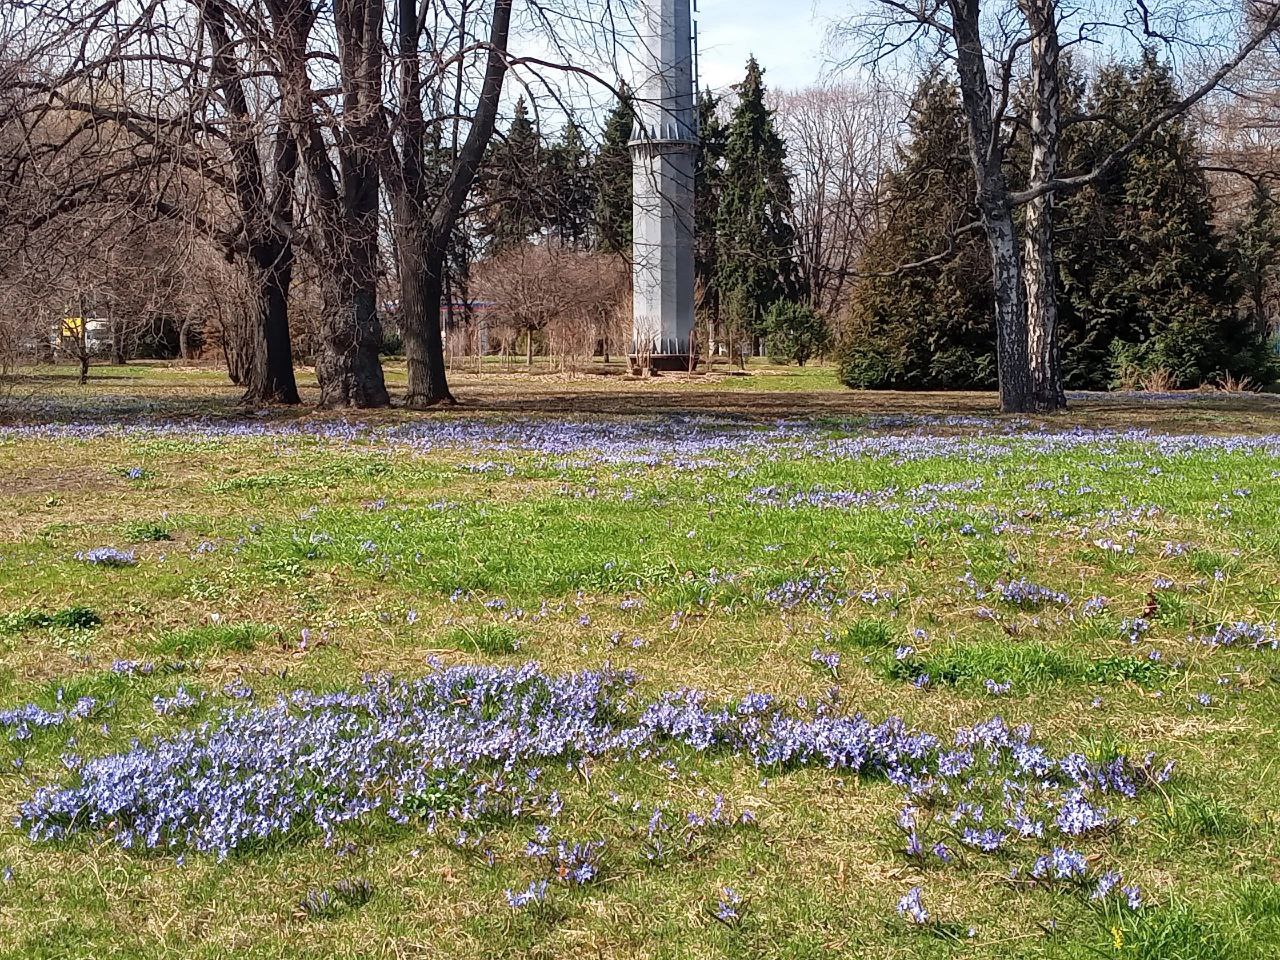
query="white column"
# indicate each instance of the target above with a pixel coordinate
(664, 152)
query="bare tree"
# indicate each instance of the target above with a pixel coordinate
(432, 176)
(571, 298)
(338, 132)
(840, 139)
(147, 113)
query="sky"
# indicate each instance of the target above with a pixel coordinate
(786, 36)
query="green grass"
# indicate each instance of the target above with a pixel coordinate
(146, 531)
(1196, 816)
(1241, 922)
(392, 558)
(1027, 664)
(69, 618)
(490, 639)
(211, 639)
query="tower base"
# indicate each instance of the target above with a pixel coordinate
(661, 363)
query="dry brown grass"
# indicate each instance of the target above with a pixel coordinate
(767, 392)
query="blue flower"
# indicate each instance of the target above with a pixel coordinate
(534, 894)
(729, 906)
(911, 907)
(1061, 864)
(108, 557)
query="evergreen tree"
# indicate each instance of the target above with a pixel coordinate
(756, 258)
(1147, 276)
(931, 325)
(1256, 248)
(570, 190)
(511, 187)
(708, 183)
(613, 180)
(796, 333)
(1145, 280)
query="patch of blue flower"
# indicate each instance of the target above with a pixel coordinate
(464, 744)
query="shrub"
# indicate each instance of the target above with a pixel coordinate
(865, 366)
(795, 332)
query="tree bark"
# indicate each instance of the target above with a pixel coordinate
(344, 193)
(1039, 269)
(268, 370)
(987, 155)
(1012, 359)
(429, 221)
(347, 364)
(118, 357)
(421, 292)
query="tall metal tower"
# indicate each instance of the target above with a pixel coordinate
(664, 148)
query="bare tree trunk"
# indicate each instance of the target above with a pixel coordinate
(267, 372)
(421, 293)
(1039, 270)
(345, 193)
(347, 364)
(82, 346)
(118, 357)
(994, 202)
(436, 218)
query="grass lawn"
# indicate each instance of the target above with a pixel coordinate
(266, 683)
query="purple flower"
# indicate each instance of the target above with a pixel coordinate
(729, 906)
(1061, 864)
(911, 907)
(1024, 593)
(828, 659)
(108, 557)
(1077, 816)
(534, 894)
(183, 701)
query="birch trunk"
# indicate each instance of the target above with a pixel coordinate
(987, 155)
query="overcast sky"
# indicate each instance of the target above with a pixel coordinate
(786, 36)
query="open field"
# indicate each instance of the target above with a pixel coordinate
(204, 755)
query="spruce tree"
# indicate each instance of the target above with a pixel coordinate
(613, 180)
(707, 188)
(931, 325)
(796, 332)
(511, 186)
(1149, 275)
(1256, 248)
(570, 190)
(756, 257)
